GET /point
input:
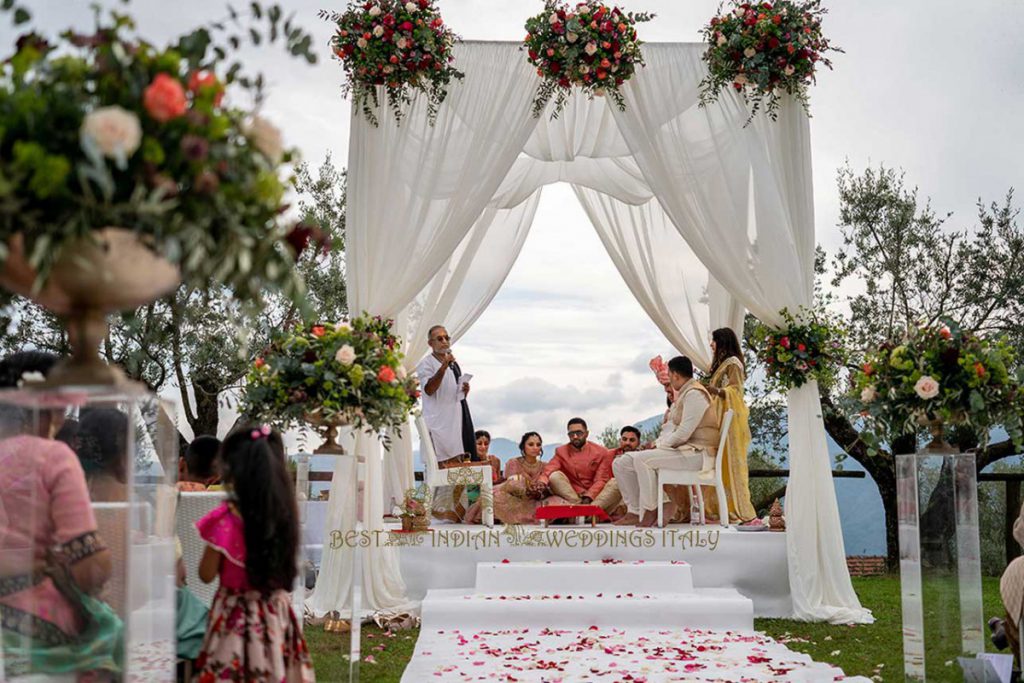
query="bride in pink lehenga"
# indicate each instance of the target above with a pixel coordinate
(516, 500)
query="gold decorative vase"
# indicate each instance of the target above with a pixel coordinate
(938, 444)
(328, 429)
(111, 270)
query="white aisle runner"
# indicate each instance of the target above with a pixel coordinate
(598, 621)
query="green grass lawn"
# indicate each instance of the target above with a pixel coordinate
(873, 651)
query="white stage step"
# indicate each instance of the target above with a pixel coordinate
(709, 608)
(582, 577)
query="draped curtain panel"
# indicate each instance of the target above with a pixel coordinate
(703, 217)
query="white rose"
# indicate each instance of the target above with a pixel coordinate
(401, 372)
(927, 388)
(378, 31)
(868, 395)
(721, 39)
(115, 131)
(590, 49)
(361, 43)
(553, 19)
(749, 52)
(410, 7)
(266, 137)
(401, 43)
(375, 11)
(789, 70)
(584, 69)
(387, 69)
(740, 12)
(346, 355)
(741, 79)
(571, 37)
(600, 92)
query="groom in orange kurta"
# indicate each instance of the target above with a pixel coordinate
(581, 471)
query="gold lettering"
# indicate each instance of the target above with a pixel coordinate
(713, 535)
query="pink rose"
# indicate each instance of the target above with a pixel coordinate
(164, 98)
(927, 388)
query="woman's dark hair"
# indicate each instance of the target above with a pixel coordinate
(103, 442)
(68, 433)
(681, 365)
(253, 465)
(523, 440)
(631, 429)
(483, 433)
(200, 456)
(17, 364)
(726, 345)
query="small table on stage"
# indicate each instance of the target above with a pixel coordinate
(546, 513)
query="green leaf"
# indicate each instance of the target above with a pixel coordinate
(21, 16)
(256, 10)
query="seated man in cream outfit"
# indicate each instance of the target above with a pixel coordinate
(687, 442)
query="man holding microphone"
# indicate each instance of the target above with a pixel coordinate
(445, 410)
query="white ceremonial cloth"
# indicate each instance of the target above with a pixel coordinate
(442, 412)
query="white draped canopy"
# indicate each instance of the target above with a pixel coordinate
(703, 217)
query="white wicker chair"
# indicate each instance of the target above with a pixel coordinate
(435, 477)
(191, 508)
(708, 477)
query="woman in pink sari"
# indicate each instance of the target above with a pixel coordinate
(516, 500)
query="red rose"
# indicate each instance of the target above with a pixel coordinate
(773, 43)
(386, 374)
(801, 347)
(259, 363)
(606, 64)
(602, 74)
(776, 20)
(766, 5)
(164, 98)
(436, 23)
(319, 331)
(554, 67)
(394, 59)
(980, 369)
(424, 4)
(407, 26)
(389, 19)
(784, 342)
(945, 333)
(533, 55)
(564, 82)
(200, 80)
(868, 368)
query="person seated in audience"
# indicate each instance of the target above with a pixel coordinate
(196, 468)
(1006, 631)
(581, 471)
(629, 441)
(516, 500)
(52, 560)
(687, 442)
(103, 451)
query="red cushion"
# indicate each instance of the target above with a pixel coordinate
(563, 511)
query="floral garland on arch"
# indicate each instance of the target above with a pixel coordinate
(940, 374)
(764, 50)
(349, 372)
(808, 347)
(593, 47)
(403, 47)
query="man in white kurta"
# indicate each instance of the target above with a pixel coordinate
(442, 397)
(687, 442)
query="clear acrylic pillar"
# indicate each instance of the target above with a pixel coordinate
(940, 563)
(87, 552)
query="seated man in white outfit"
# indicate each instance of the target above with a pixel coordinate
(688, 441)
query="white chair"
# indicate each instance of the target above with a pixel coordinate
(191, 508)
(434, 477)
(707, 477)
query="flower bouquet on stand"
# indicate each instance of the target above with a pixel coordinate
(762, 50)
(591, 46)
(129, 167)
(940, 376)
(401, 46)
(329, 376)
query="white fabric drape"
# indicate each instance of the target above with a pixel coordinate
(456, 297)
(739, 198)
(742, 199)
(661, 271)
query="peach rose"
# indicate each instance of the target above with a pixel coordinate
(927, 388)
(164, 98)
(346, 355)
(115, 131)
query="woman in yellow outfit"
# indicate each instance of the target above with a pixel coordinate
(726, 385)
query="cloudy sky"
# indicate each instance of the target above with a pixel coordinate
(933, 86)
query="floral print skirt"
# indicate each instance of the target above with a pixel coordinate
(254, 637)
